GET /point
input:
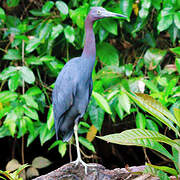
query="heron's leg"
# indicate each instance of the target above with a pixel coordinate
(77, 142)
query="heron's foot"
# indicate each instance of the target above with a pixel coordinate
(80, 161)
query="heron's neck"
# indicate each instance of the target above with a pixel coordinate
(89, 51)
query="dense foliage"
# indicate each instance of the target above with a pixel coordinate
(139, 55)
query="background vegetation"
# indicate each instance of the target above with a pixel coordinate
(141, 55)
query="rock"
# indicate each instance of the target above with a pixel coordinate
(97, 172)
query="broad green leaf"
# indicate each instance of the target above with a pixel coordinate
(140, 121)
(56, 31)
(50, 118)
(8, 72)
(177, 19)
(176, 50)
(33, 44)
(178, 64)
(36, 12)
(47, 6)
(10, 122)
(27, 74)
(165, 169)
(2, 14)
(62, 148)
(144, 11)
(62, 7)
(45, 134)
(30, 112)
(124, 7)
(22, 127)
(165, 22)
(96, 115)
(33, 60)
(33, 91)
(142, 137)
(102, 102)
(12, 54)
(7, 96)
(86, 143)
(110, 25)
(45, 30)
(124, 102)
(108, 54)
(177, 113)
(14, 82)
(151, 125)
(156, 172)
(151, 86)
(153, 57)
(79, 14)
(30, 101)
(69, 34)
(32, 137)
(176, 156)
(154, 108)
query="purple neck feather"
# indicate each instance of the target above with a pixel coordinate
(89, 51)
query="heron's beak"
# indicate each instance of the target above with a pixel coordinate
(111, 14)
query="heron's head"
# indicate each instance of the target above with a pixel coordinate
(99, 13)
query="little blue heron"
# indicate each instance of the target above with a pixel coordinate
(73, 86)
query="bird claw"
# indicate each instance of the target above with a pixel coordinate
(80, 161)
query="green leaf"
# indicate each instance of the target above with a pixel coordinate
(27, 75)
(36, 12)
(165, 169)
(176, 50)
(144, 11)
(108, 54)
(47, 6)
(33, 91)
(177, 19)
(140, 121)
(45, 134)
(151, 86)
(155, 172)
(32, 44)
(124, 7)
(124, 102)
(178, 64)
(102, 102)
(110, 25)
(45, 30)
(144, 138)
(22, 127)
(151, 125)
(56, 31)
(30, 101)
(8, 72)
(153, 57)
(176, 156)
(79, 14)
(86, 143)
(96, 115)
(50, 118)
(62, 7)
(155, 108)
(10, 122)
(62, 148)
(7, 96)
(69, 34)
(14, 82)
(165, 22)
(2, 14)
(12, 54)
(30, 112)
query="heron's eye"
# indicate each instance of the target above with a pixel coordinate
(98, 12)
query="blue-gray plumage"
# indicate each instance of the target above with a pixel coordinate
(73, 86)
